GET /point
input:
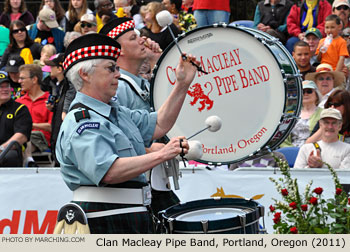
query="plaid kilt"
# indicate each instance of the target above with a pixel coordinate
(162, 200)
(129, 223)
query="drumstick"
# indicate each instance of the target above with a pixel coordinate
(164, 18)
(213, 124)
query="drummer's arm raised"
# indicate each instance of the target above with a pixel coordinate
(170, 109)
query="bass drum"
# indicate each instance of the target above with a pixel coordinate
(252, 84)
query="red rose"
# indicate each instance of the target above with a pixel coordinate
(293, 230)
(345, 210)
(338, 191)
(349, 201)
(272, 209)
(313, 200)
(284, 192)
(293, 205)
(304, 207)
(277, 218)
(318, 190)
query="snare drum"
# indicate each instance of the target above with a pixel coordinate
(252, 84)
(223, 215)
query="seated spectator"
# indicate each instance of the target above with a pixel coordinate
(61, 96)
(271, 17)
(4, 39)
(12, 68)
(329, 149)
(326, 80)
(30, 77)
(153, 30)
(20, 44)
(15, 10)
(305, 15)
(340, 100)
(15, 124)
(208, 12)
(76, 9)
(129, 8)
(341, 9)
(104, 12)
(183, 21)
(337, 50)
(69, 37)
(86, 24)
(302, 55)
(312, 37)
(46, 30)
(309, 116)
(46, 52)
(56, 6)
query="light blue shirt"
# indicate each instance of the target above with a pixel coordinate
(86, 149)
(127, 97)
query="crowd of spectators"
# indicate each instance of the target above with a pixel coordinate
(32, 46)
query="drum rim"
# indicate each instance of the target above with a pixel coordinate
(264, 149)
(253, 215)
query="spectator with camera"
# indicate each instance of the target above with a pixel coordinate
(62, 94)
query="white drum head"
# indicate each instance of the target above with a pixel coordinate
(244, 87)
(210, 214)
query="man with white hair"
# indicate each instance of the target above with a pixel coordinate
(329, 149)
(101, 145)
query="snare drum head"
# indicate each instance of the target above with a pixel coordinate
(210, 214)
(244, 87)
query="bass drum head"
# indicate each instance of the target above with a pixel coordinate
(244, 86)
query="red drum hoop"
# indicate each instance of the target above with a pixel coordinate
(253, 85)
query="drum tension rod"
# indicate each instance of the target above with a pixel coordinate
(205, 225)
(271, 41)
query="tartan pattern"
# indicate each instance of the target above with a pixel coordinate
(162, 200)
(130, 223)
(91, 51)
(115, 32)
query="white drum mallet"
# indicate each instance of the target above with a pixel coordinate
(164, 18)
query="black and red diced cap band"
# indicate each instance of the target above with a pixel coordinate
(91, 46)
(117, 27)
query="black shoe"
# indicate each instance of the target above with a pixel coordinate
(32, 164)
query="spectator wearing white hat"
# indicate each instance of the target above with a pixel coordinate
(45, 30)
(87, 24)
(341, 8)
(329, 149)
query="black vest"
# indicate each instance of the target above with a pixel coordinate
(276, 16)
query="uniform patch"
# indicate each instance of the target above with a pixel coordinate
(88, 125)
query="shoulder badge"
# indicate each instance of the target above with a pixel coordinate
(82, 114)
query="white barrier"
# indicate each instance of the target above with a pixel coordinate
(30, 198)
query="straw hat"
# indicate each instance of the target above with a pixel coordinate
(326, 68)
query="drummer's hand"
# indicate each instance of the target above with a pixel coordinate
(153, 49)
(174, 147)
(301, 35)
(155, 147)
(185, 71)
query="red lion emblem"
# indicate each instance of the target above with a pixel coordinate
(197, 93)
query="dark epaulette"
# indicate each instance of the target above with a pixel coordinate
(82, 114)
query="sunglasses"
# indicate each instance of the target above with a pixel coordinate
(342, 7)
(18, 30)
(335, 104)
(307, 91)
(88, 25)
(111, 68)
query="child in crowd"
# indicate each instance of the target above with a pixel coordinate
(46, 52)
(337, 50)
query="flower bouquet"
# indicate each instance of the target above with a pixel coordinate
(309, 213)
